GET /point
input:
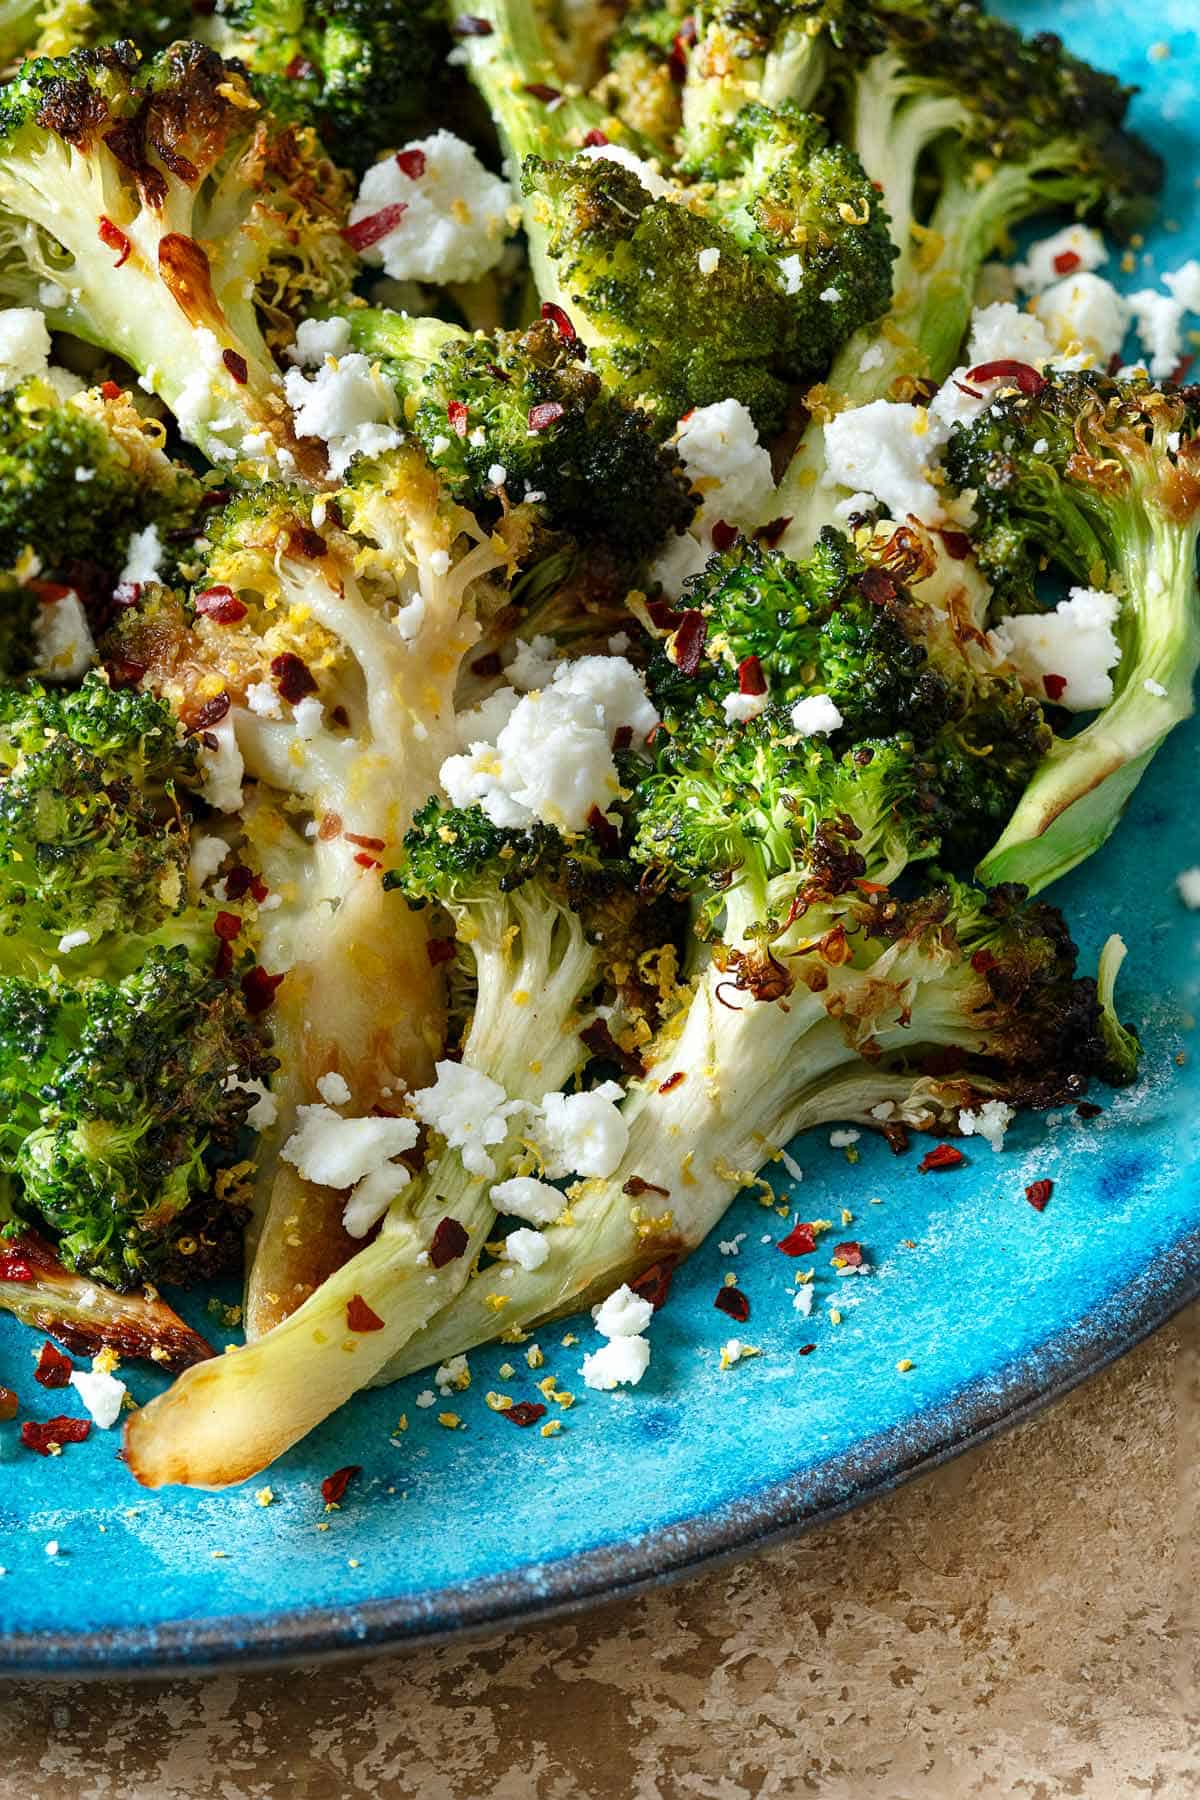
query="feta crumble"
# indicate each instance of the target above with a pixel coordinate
(582, 1134)
(317, 339)
(73, 940)
(1158, 319)
(63, 644)
(1084, 315)
(528, 1249)
(842, 1139)
(333, 1088)
(223, 766)
(726, 464)
(621, 1362)
(1043, 266)
(526, 1198)
(1184, 284)
(455, 218)
(143, 557)
(336, 1152)
(624, 1314)
(882, 449)
(102, 1395)
(990, 1122)
(534, 664)
(470, 1110)
(740, 707)
(348, 404)
(708, 260)
(24, 344)
(1076, 641)
(815, 715)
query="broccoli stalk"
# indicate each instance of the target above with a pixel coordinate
(1103, 477)
(520, 904)
(177, 226)
(1000, 128)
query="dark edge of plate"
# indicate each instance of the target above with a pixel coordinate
(547, 1591)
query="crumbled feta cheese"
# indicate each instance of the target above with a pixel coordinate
(143, 557)
(618, 643)
(582, 1134)
(884, 1110)
(621, 1362)
(615, 686)
(470, 1110)
(842, 1139)
(371, 1198)
(208, 852)
(740, 707)
(1049, 260)
(1075, 641)
(336, 1152)
(1159, 322)
(1187, 882)
(346, 403)
(802, 1299)
(483, 724)
(816, 714)
(1184, 284)
(871, 358)
(263, 700)
(426, 1398)
(855, 504)
(102, 1395)
(333, 1088)
(207, 383)
(318, 338)
(73, 940)
(455, 217)
(726, 464)
(63, 644)
(24, 344)
(649, 177)
(731, 1246)
(223, 766)
(708, 260)
(307, 716)
(265, 1110)
(1084, 314)
(83, 476)
(623, 1314)
(525, 1198)
(830, 296)
(528, 1249)
(439, 561)
(732, 1350)
(534, 664)
(51, 295)
(792, 270)
(1155, 687)
(990, 1122)
(455, 1372)
(1002, 331)
(497, 475)
(882, 448)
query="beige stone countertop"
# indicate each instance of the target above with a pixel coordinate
(1017, 1623)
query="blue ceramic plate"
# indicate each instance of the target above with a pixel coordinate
(997, 1306)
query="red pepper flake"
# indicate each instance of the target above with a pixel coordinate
(525, 1412)
(365, 861)
(14, 1267)
(439, 950)
(220, 604)
(681, 43)
(299, 69)
(304, 541)
(770, 533)
(211, 713)
(958, 544)
(604, 831)
(545, 414)
(654, 1283)
(1023, 376)
(109, 390)
(688, 645)
(541, 90)
(223, 961)
(560, 322)
(622, 737)
(237, 366)
(365, 843)
(293, 677)
(1066, 262)
(944, 1156)
(241, 881)
(983, 961)
(9, 1405)
(870, 887)
(39, 1434)
(411, 163)
(334, 1486)
(258, 989)
(849, 1255)
(731, 1300)
(1038, 1192)
(595, 139)
(365, 232)
(1055, 686)
(447, 1243)
(635, 1187)
(672, 1081)
(877, 586)
(469, 25)
(806, 1350)
(751, 679)
(113, 238)
(662, 615)
(53, 1369)
(724, 535)
(361, 1317)
(800, 1240)
(227, 926)
(456, 412)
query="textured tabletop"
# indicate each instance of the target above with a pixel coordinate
(1021, 1622)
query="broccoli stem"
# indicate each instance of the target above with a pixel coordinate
(1081, 788)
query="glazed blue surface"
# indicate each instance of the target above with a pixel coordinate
(995, 1305)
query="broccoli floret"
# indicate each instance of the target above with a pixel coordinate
(182, 229)
(79, 476)
(366, 73)
(57, 27)
(522, 413)
(1099, 478)
(645, 58)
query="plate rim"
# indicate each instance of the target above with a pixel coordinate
(803, 1501)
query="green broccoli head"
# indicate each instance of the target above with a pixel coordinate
(56, 27)
(133, 1115)
(644, 60)
(181, 227)
(523, 411)
(79, 476)
(456, 857)
(366, 73)
(92, 843)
